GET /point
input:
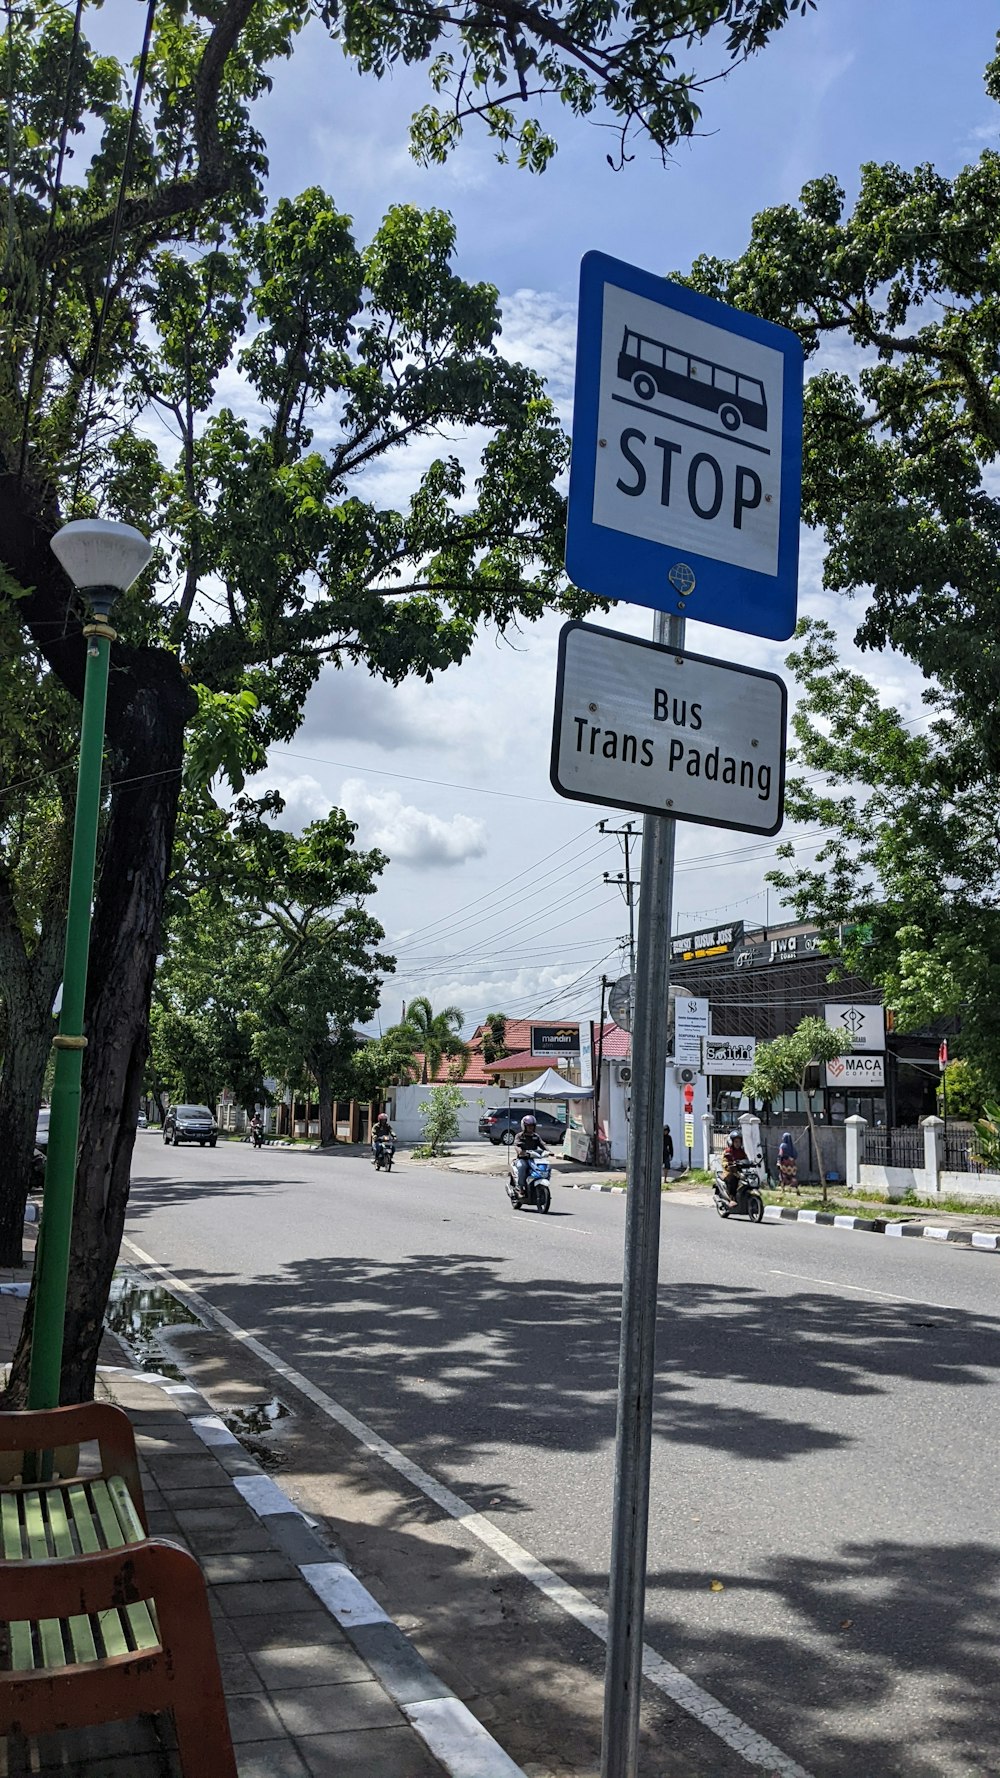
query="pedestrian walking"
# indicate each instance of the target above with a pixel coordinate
(668, 1149)
(788, 1164)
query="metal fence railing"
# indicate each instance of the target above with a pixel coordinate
(893, 1148)
(961, 1152)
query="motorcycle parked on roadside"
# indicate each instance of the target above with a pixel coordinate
(748, 1201)
(383, 1150)
(536, 1187)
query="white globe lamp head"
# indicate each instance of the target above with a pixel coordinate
(102, 558)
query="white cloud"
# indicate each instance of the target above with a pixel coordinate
(305, 799)
(410, 835)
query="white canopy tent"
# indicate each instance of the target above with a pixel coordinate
(550, 1085)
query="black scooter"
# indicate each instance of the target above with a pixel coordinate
(748, 1201)
(257, 1135)
(385, 1148)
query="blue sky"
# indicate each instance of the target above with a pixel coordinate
(494, 897)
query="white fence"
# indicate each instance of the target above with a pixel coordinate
(403, 1105)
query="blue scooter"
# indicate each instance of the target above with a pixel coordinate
(536, 1188)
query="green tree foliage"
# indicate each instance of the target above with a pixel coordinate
(129, 290)
(901, 446)
(494, 1038)
(270, 962)
(435, 1035)
(440, 1116)
(790, 1064)
(963, 1092)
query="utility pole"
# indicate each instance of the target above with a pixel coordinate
(605, 984)
(624, 879)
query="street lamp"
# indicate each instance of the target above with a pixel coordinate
(102, 558)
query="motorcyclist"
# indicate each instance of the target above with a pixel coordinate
(257, 1129)
(526, 1143)
(382, 1130)
(734, 1158)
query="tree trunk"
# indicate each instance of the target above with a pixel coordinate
(324, 1094)
(814, 1133)
(146, 741)
(29, 987)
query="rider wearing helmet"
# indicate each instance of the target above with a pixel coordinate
(734, 1156)
(526, 1142)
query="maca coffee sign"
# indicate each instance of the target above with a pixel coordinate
(856, 1071)
(555, 1040)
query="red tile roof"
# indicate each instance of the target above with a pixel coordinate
(523, 1059)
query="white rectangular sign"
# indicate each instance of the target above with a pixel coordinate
(729, 1055)
(638, 726)
(703, 478)
(864, 1024)
(856, 1071)
(690, 1030)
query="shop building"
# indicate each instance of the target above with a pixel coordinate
(759, 984)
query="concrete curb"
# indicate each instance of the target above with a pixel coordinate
(456, 1738)
(977, 1238)
(926, 1231)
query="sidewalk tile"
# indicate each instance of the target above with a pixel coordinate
(253, 1718)
(362, 1704)
(241, 1599)
(375, 1753)
(319, 1663)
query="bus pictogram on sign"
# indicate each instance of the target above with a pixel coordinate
(653, 367)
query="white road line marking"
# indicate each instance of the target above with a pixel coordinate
(919, 1302)
(675, 1684)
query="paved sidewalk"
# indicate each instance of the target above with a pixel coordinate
(319, 1683)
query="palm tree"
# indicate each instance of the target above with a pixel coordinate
(437, 1035)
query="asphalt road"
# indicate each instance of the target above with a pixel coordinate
(824, 1429)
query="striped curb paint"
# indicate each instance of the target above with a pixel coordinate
(925, 1231)
(977, 1238)
(456, 1738)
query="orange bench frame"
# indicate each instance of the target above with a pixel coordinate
(180, 1673)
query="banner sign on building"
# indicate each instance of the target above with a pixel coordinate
(690, 1028)
(858, 1071)
(555, 1040)
(793, 947)
(728, 1055)
(715, 941)
(865, 1025)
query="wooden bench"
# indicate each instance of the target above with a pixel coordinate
(99, 1621)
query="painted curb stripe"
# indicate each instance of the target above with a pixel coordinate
(458, 1740)
(263, 1496)
(342, 1593)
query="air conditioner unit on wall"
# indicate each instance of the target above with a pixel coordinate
(687, 1076)
(623, 1073)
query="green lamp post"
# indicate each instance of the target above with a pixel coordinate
(102, 558)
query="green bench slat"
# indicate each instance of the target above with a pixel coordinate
(83, 1518)
(49, 1629)
(81, 1635)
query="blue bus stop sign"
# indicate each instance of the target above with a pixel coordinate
(687, 453)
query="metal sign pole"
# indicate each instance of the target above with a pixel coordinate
(630, 1517)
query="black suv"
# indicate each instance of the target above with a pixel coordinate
(190, 1123)
(503, 1122)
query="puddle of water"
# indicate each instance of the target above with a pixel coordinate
(251, 1426)
(136, 1311)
